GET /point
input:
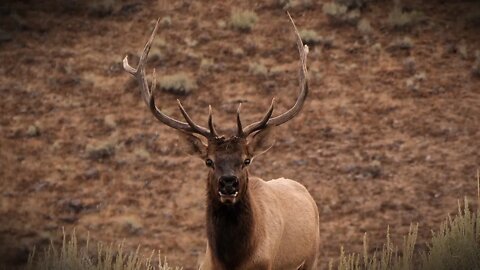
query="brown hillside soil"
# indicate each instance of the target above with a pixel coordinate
(381, 141)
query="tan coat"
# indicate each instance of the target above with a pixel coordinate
(287, 227)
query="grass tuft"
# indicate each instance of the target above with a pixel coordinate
(399, 18)
(455, 246)
(243, 20)
(179, 83)
(72, 256)
(310, 37)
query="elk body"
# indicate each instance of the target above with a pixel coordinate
(251, 223)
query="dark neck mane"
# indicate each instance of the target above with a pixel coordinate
(230, 231)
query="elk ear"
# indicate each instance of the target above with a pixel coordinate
(261, 142)
(192, 145)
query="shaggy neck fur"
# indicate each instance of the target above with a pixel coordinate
(230, 230)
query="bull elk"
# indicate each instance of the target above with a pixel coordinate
(251, 223)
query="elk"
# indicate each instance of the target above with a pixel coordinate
(251, 223)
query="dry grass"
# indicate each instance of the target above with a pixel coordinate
(398, 18)
(179, 83)
(455, 246)
(71, 256)
(310, 37)
(243, 20)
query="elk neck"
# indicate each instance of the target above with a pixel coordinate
(230, 229)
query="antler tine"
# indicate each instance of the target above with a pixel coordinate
(195, 128)
(289, 114)
(262, 123)
(210, 122)
(239, 122)
(148, 96)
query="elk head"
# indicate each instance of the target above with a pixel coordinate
(226, 158)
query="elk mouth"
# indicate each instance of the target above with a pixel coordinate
(228, 198)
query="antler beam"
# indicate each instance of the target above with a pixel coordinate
(293, 111)
(139, 73)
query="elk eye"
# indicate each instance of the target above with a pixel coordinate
(247, 161)
(209, 162)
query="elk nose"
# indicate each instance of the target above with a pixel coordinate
(229, 180)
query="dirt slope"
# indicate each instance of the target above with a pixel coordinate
(381, 141)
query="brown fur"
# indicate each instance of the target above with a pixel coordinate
(272, 224)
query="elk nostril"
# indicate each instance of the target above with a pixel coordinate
(229, 180)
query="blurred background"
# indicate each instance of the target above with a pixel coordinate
(389, 135)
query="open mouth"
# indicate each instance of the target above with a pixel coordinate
(228, 198)
(224, 195)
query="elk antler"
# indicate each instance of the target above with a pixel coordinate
(284, 117)
(139, 73)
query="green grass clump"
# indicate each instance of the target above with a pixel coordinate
(71, 256)
(179, 83)
(243, 20)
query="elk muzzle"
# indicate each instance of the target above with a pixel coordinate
(228, 188)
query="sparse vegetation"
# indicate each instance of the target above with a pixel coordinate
(102, 7)
(455, 246)
(33, 131)
(243, 20)
(207, 65)
(339, 14)
(353, 3)
(334, 10)
(166, 21)
(405, 43)
(399, 18)
(292, 4)
(310, 37)
(100, 150)
(364, 27)
(72, 256)
(179, 83)
(258, 69)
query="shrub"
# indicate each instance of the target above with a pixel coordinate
(258, 69)
(179, 84)
(339, 14)
(364, 27)
(334, 10)
(243, 20)
(101, 149)
(398, 18)
(102, 7)
(310, 37)
(405, 43)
